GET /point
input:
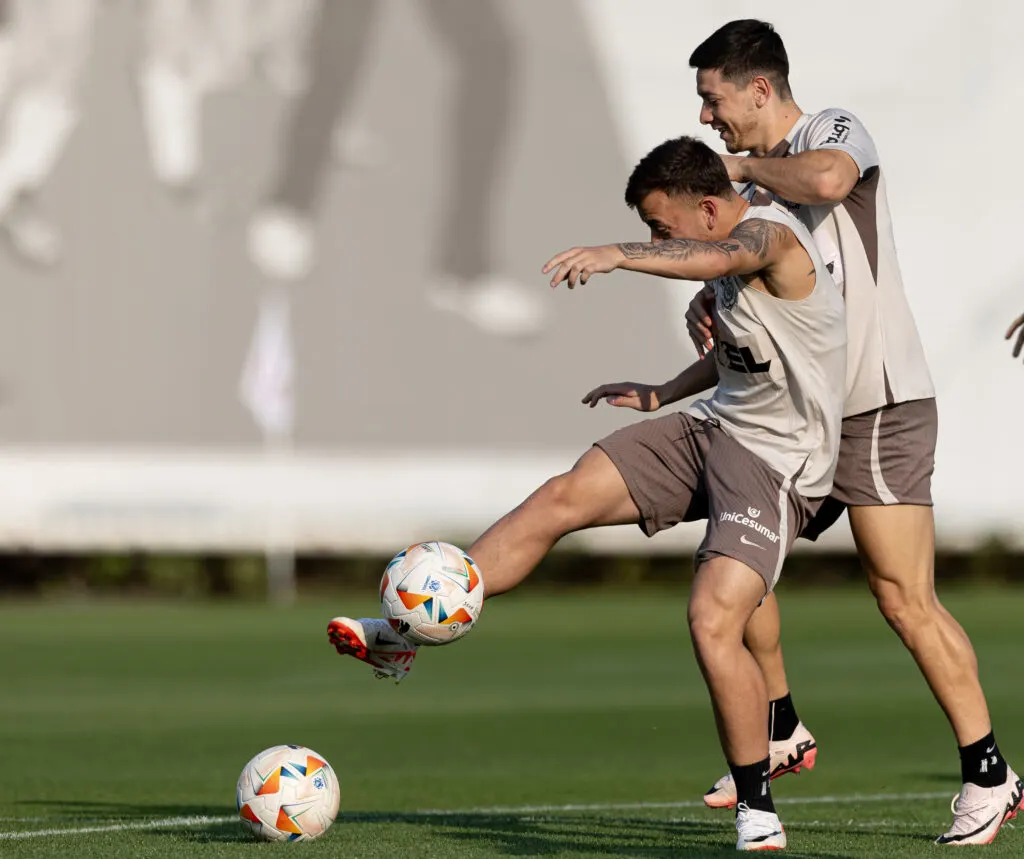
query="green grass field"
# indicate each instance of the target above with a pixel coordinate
(567, 725)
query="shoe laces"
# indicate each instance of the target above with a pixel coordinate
(969, 813)
(752, 822)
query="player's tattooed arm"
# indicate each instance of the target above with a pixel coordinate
(679, 258)
(674, 249)
(761, 238)
(752, 246)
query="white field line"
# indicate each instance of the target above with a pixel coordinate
(694, 803)
(189, 822)
(727, 823)
(166, 823)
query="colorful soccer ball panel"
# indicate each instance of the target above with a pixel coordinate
(288, 793)
(432, 593)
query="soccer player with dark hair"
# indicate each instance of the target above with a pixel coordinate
(754, 459)
(825, 170)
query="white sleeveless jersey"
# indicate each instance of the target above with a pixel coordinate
(781, 370)
(886, 362)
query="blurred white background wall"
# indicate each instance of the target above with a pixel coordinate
(280, 273)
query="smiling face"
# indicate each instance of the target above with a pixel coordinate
(731, 110)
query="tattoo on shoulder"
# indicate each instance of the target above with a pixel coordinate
(676, 248)
(758, 236)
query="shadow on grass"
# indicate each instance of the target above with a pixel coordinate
(529, 835)
(514, 835)
(492, 834)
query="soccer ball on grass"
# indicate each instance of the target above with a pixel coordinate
(288, 793)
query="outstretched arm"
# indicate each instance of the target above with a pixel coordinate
(752, 246)
(696, 378)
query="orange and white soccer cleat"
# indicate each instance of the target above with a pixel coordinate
(980, 812)
(373, 641)
(786, 756)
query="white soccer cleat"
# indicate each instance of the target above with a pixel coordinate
(758, 830)
(980, 812)
(785, 756)
(372, 640)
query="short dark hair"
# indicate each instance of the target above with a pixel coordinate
(678, 167)
(742, 49)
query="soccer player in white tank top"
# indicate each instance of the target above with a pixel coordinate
(831, 179)
(755, 459)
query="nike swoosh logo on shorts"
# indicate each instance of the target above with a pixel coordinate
(746, 542)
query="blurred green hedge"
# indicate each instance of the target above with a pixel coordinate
(244, 576)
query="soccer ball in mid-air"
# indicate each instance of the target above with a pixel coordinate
(288, 793)
(432, 593)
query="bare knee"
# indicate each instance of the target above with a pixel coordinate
(711, 629)
(725, 594)
(906, 608)
(896, 544)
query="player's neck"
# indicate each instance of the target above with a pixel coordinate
(733, 212)
(779, 122)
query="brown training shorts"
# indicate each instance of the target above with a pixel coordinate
(681, 469)
(886, 456)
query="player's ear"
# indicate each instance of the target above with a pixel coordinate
(709, 213)
(761, 90)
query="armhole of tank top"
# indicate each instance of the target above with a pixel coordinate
(783, 219)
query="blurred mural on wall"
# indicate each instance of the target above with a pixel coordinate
(280, 258)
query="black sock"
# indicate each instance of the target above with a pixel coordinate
(753, 785)
(782, 718)
(982, 764)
